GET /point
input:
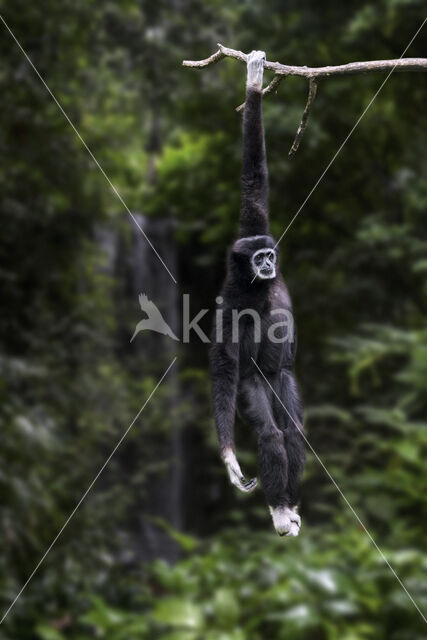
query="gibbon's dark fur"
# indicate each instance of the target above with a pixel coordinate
(237, 385)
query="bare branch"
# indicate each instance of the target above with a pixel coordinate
(268, 89)
(273, 85)
(300, 132)
(312, 73)
(370, 66)
(199, 64)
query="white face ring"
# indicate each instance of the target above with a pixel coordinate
(268, 262)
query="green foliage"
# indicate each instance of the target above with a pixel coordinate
(328, 585)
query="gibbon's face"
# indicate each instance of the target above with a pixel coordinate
(255, 257)
(263, 262)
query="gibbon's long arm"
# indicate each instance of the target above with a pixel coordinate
(225, 376)
(224, 364)
(254, 203)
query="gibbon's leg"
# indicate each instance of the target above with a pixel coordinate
(296, 456)
(254, 201)
(289, 416)
(255, 407)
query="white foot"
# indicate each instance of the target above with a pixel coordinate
(235, 473)
(285, 521)
(255, 65)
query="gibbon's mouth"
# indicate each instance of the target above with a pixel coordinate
(266, 274)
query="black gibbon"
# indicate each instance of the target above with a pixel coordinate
(252, 367)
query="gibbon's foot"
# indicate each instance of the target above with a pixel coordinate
(235, 473)
(285, 521)
(255, 65)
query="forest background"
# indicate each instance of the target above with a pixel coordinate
(162, 546)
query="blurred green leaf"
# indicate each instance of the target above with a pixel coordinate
(178, 612)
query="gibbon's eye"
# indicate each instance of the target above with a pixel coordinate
(271, 255)
(259, 259)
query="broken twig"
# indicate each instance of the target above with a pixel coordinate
(300, 132)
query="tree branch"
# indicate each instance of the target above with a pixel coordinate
(213, 59)
(370, 66)
(300, 132)
(312, 73)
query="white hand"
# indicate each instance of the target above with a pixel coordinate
(255, 66)
(235, 473)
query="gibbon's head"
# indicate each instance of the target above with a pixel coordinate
(256, 256)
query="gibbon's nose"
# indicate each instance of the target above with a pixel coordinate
(267, 267)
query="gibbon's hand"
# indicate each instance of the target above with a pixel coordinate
(255, 65)
(235, 473)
